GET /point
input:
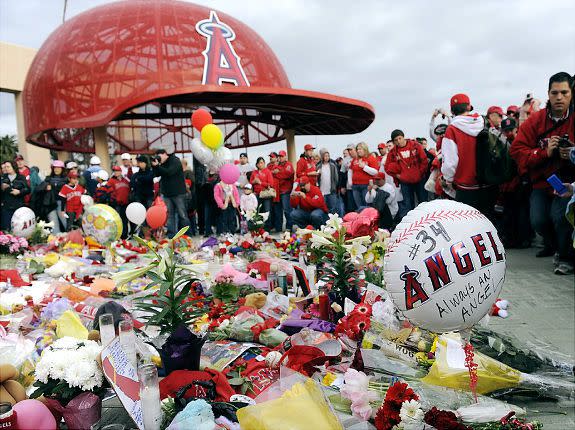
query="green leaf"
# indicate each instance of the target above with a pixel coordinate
(180, 234)
(236, 381)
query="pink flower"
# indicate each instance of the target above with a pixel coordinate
(361, 410)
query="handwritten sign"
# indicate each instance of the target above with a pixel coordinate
(123, 378)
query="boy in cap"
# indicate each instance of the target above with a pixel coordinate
(248, 200)
(119, 194)
(103, 191)
(306, 165)
(70, 195)
(285, 175)
(127, 168)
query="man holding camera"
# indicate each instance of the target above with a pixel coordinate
(172, 187)
(540, 151)
(309, 205)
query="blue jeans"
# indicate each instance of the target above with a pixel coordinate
(286, 206)
(331, 203)
(548, 219)
(359, 192)
(410, 192)
(227, 220)
(349, 201)
(210, 218)
(176, 204)
(266, 206)
(303, 218)
(7, 219)
(277, 216)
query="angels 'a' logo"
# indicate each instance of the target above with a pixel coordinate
(222, 64)
(413, 289)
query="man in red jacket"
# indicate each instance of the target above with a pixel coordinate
(306, 165)
(458, 148)
(407, 164)
(285, 176)
(309, 205)
(536, 151)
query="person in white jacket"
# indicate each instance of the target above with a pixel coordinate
(248, 200)
(383, 197)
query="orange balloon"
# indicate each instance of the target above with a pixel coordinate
(201, 118)
(156, 216)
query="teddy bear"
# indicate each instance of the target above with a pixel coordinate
(11, 391)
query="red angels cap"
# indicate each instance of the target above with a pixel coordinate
(303, 180)
(308, 147)
(282, 154)
(512, 108)
(273, 154)
(495, 109)
(381, 146)
(116, 169)
(458, 99)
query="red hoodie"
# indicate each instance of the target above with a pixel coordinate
(305, 166)
(266, 178)
(529, 149)
(285, 176)
(120, 190)
(313, 200)
(407, 164)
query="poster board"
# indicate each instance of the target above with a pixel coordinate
(124, 379)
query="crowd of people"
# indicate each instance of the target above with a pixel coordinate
(498, 162)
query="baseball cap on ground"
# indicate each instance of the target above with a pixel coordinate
(308, 147)
(495, 109)
(459, 99)
(508, 124)
(126, 156)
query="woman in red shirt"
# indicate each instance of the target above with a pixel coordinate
(363, 168)
(262, 180)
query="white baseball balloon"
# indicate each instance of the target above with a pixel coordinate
(23, 222)
(444, 266)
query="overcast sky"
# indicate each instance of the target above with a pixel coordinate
(404, 58)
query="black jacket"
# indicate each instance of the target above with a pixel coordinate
(379, 203)
(172, 183)
(44, 201)
(9, 201)
(142, 186)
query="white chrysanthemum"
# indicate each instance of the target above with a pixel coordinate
(42, 371)
(411, 415)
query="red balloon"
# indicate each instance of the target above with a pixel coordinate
(156, 216)
(201, 118)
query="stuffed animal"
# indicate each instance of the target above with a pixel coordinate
(256, 300)
(11, 391)
(499, 308)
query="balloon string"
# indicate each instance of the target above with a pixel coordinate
(472, 367)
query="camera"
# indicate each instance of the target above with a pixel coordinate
(156, 158)
(564, 142)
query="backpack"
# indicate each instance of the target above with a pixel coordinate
(494, 165)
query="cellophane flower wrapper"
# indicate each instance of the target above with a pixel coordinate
(292, 403)
(493, 376)
(80, 412)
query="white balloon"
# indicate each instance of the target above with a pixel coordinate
(86, 200)
(136, 213)
(201, 152)
(222, 156)
(23, 222)
(444, 266)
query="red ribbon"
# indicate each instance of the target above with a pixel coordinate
(258, 328)
(472, 367)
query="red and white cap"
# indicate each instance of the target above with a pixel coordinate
(308, 147)
(460, 98)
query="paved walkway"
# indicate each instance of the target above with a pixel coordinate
(542, 309)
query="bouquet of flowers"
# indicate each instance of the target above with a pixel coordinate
(41, 233)
(68, 368)
(10, 244)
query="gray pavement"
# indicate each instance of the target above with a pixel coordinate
(542, 309)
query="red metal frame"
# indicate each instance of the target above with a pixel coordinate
(137, 68)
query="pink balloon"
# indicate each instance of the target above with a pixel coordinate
(34, 415)
(229, 173)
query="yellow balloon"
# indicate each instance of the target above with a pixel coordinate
(102, 223)
(212, 136)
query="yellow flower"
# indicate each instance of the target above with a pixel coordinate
(328, 379)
